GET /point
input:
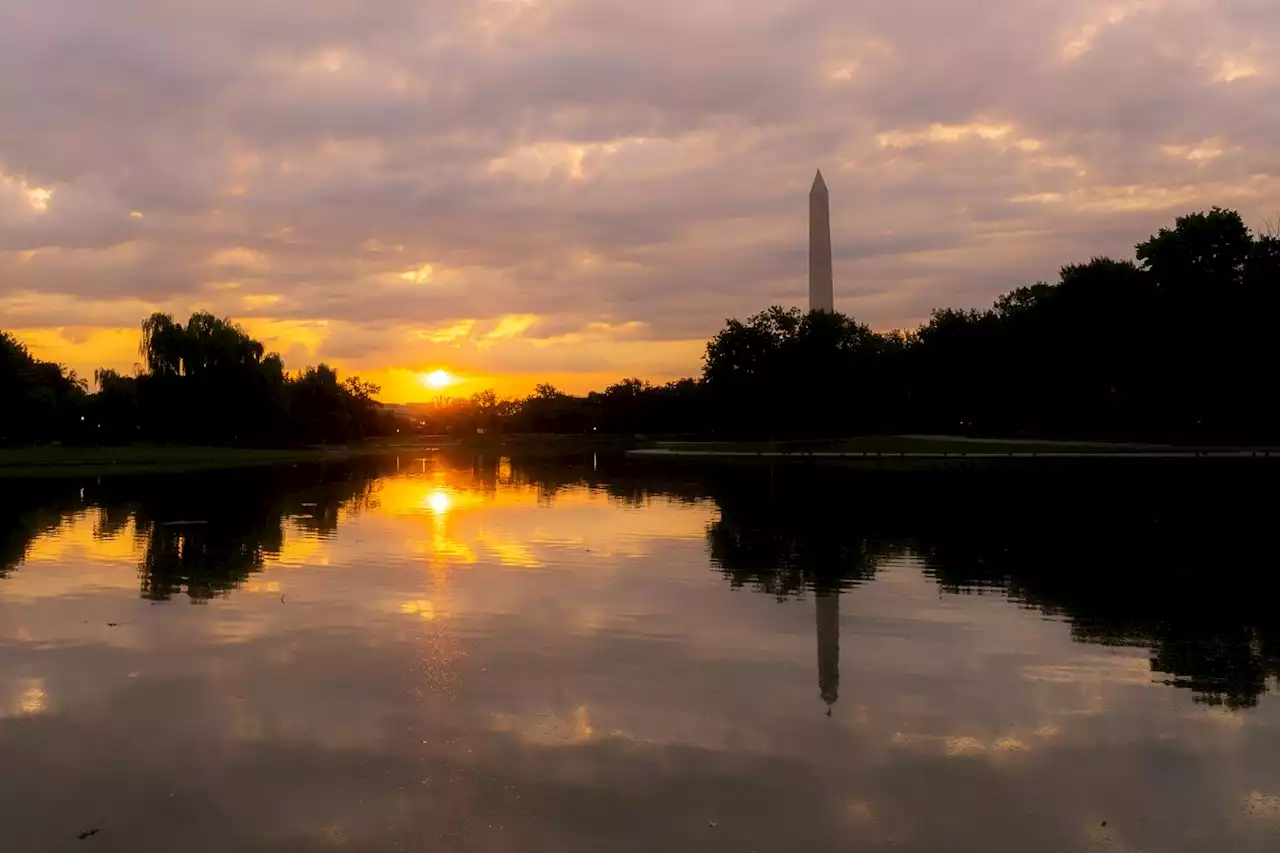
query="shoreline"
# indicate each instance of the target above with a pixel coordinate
(41, 462)
(800, 455)
(888, 451)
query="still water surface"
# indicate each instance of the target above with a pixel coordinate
(443, 654)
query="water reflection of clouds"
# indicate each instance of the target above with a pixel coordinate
(963, 745)
(506, 526)
(29, 697)
(301, 549)
(75, 556)
(380, 695)
(549, 728)
(660, 727)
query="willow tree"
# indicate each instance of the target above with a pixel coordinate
(162, 345)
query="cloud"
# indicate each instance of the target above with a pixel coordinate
(400, 166)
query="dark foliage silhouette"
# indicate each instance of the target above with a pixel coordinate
(207, 382)
(1173, 350)
(1172, 347)
(38, 399)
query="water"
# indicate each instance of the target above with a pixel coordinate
(422, 653)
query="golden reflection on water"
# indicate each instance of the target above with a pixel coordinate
(82, 536)
(469, 523)
(509, 553)
(438, 502)
(30, 699)
(550, 729)
(33, 700)
(301, 548)
(425, 609)
(621, 652)
(437, 513)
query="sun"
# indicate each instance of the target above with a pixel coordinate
(439, 502)
(437, 379)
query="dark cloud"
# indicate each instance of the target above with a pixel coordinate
(608, 160)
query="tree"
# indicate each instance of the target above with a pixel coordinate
(40, 400)
(114, 409)
(325, 410)
(550, 410)
(485, 404)
(162, 345)
(1173, 347)
(772, 376)
(1202, 251)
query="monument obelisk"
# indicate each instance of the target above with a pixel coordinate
(821, 293)
(827, 619)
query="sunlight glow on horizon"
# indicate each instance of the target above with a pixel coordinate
(437, 379)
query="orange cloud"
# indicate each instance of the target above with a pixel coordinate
(84, 349)
(577, 226)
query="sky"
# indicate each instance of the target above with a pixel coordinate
(574, 191)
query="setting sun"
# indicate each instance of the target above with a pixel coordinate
(437, 379)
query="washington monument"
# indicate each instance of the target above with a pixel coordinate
(827, 620)
(821, 295)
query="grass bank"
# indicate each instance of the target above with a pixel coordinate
(923, 447)
(54, 461)
(893, 444)
(539, 444)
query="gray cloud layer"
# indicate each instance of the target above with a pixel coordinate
(606, 160)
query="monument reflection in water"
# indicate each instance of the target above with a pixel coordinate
(489, 654)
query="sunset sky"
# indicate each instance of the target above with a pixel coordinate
(518, 191)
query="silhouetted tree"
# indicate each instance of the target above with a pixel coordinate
(39, 399)
(325, 410)
(1177, 349)
(773, 375)
(209, 382)
(1173, 348)
(550, 410)
(115, 409)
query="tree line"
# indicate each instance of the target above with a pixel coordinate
(1172, 346)
(205, 382)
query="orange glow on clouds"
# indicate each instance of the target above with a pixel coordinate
(83, 349)
(458, 359)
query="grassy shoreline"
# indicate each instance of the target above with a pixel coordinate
(907, 449)
(65, 461)
(162, 459)
(69, 460)
(896, 444)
